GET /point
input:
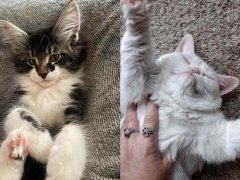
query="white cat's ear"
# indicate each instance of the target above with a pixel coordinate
(227, 83)
(186, 44)
(13, 36)
(68, 25)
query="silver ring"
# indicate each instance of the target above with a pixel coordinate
(129, 131)
(146, 131)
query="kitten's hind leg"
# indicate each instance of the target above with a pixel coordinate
(220, 143)
(12, 156)
(39, 139)
(67, 157)
(137, 66)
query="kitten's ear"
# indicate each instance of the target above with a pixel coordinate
(186, 44)
(13, 36)
(227, 83)
(68, 25)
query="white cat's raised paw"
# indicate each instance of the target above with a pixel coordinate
(17, 145)
(136, 9)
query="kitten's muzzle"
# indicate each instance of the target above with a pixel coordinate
(43, 75)
(42, 71)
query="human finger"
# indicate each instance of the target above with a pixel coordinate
(151, 119)
(130, 123)
(131, 117)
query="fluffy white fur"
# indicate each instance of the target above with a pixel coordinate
(66, 159)
(45, 101)
(192, 130)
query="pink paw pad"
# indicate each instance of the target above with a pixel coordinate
(18, 147)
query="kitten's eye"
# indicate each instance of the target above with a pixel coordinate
(54, 57)
(208, 76)
(32, 62)
(188, 62)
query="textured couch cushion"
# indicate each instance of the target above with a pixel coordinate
(100, 26)
(215, 27)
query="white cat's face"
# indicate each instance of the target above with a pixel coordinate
(189, 75)
(191, 81)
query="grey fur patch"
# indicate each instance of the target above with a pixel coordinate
(26, 116)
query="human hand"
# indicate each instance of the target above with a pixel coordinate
(140, 158)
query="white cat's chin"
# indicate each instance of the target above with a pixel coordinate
(46, 84)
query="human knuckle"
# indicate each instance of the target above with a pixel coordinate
(151, 118)
(130, 119)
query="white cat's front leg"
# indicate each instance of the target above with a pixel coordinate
(233, 138)
(12, 156)
(68, 154)
(221, 144)
(136, 12)
(138, 70)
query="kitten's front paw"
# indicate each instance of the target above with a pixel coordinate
(17, 145)
(136, 9)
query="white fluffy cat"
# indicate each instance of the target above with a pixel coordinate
(192, 130)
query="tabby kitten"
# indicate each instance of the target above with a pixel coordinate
(44, 123)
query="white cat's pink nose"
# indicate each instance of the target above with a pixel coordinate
(195, 70)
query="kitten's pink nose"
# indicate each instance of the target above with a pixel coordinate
(195, 70)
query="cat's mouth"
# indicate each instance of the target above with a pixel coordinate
(46, 83)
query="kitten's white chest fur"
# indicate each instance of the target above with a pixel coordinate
(48, 103)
